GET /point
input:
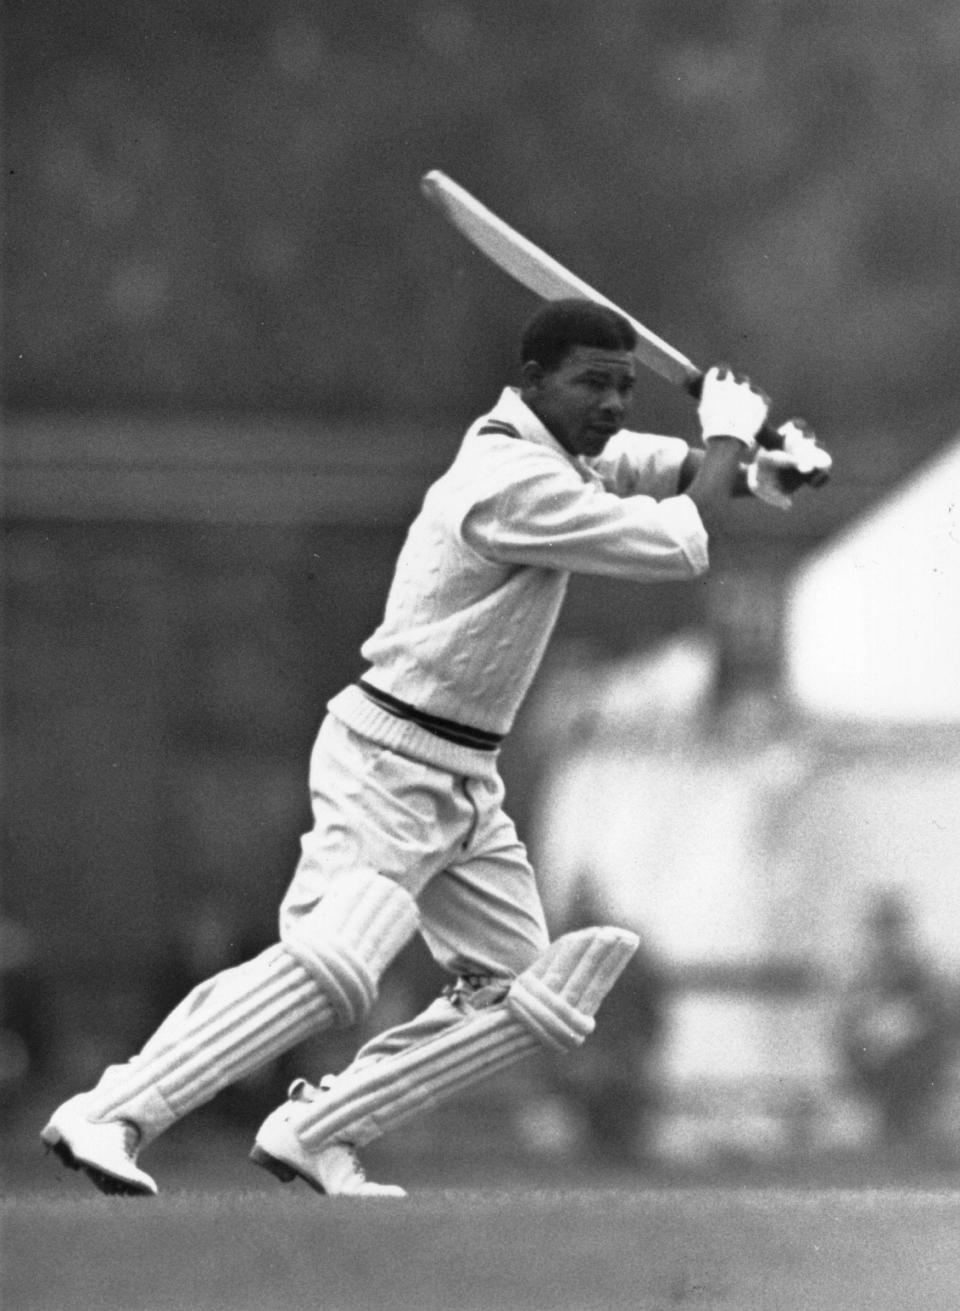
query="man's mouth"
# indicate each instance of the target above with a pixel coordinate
(603, 431)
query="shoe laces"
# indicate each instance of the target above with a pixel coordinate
(355, 1161)
(301, 1091)
(130, 1138)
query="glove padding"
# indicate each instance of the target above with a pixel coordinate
(774, 476)
(730, 406)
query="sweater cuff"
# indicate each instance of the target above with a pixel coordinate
(688, 526)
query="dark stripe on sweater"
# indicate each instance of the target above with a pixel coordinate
(462, 734)
(498, 426)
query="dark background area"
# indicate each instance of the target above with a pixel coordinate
(218, 206)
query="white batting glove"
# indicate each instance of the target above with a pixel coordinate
(764, 475)
(810, 459)
(730, 406)
(774, 476)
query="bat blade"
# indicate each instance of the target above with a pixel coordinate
(547, 277)
(540, 273)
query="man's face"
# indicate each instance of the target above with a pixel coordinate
(584, 401)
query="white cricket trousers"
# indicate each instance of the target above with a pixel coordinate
(444, 838)
(380, 819)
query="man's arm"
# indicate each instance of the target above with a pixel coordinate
(691, 464)
(773, 476)
(533, 508)
(717, 481)
(641, 464)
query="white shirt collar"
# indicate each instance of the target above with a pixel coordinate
(510, 408)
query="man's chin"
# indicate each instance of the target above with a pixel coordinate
(596, 439)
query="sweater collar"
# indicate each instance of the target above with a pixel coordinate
(511, 409)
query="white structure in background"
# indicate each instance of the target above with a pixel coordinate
(660, 818)
(666, 825)
(873, 641)
(760, 843)
(873, 621)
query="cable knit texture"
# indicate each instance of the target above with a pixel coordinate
(482, 575)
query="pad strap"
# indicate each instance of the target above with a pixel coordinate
(547, 1015)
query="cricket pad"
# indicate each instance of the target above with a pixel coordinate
(324, 973)
(551, 1004)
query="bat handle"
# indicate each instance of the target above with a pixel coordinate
(767, 437)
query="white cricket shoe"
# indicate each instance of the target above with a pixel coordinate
(333, 1170)
(105, 1150)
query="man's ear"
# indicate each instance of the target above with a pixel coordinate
(532, 375)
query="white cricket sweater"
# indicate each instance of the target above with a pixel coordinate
(482, 574)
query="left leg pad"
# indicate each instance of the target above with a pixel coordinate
(558, 996)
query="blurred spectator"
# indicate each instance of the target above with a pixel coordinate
(24, 1010)
(896, 1026)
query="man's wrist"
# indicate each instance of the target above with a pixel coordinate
(741, 482)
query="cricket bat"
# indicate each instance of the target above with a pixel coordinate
(540, 273)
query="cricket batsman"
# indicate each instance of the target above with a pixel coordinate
(409, 832)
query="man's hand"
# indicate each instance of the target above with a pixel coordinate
(774, 476)
(730, 406)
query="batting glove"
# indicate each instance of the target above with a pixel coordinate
(730, 406)
(774, 476)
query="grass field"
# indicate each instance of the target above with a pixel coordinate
(238, 1241)
(462, 1250)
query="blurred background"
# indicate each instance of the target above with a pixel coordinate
(238, 345)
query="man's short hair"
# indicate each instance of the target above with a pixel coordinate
(560, 325)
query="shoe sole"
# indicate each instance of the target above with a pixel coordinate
(110, 1184)
(286, 1172)
(283, 1170)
